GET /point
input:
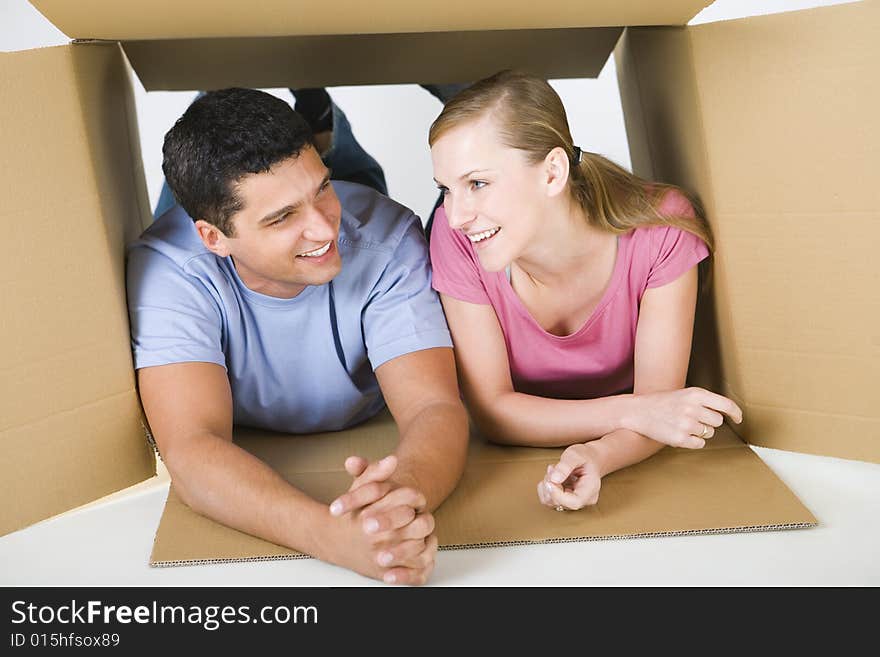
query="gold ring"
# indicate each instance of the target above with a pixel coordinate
(704, 431)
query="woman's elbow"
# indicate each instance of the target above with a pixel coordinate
(491, 427)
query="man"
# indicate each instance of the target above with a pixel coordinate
(273, 298)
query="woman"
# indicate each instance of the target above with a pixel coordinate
(570, 289)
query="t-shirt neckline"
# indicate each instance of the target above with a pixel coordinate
(265, 299)
(609, 293)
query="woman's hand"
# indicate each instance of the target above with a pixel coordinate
(681, 418)
(574, 482)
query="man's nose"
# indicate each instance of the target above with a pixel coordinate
(320, 227)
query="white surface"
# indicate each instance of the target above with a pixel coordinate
(109, 541)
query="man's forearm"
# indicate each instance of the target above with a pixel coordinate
(220, 480)
(432, 451)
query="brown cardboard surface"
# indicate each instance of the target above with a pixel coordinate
(69, 416)
(71, 458)
(723, 488)
(164, 19)
(303, 61)
(781, 142)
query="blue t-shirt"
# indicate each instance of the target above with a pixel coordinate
(294, 365)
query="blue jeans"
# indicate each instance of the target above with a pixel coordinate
(346, 158)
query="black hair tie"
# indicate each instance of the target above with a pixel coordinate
(577, 155)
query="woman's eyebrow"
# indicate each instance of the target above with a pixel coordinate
(470, 173)
(465, 175)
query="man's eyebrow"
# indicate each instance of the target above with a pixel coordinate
(325, 180)
(278, 213)
(290, 208)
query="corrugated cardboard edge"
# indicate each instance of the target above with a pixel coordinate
(579, 539)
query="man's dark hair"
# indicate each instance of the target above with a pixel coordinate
(222, 137)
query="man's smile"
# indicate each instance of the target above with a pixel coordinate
(317, 253)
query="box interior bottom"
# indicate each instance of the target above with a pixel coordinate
(722, 488)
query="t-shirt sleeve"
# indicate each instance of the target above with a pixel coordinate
(673, 250)
(173, 318)
(456, 267)
(403, 313)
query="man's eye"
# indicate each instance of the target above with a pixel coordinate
(280, 220)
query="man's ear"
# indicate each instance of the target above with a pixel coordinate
(555, 171)
(213, 238)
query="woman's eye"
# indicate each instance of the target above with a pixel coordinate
(478, 184)
(443, 190)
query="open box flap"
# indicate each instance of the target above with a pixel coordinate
(73, 195)
(773, 122)
(310, 61)
(210, 44)
(194, 19)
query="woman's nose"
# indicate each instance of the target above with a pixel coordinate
(458, 213)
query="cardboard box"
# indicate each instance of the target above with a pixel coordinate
(770, 120)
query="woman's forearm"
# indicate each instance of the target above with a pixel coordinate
(622, 448)
(516, 418)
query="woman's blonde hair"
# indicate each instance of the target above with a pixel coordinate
(531, 118)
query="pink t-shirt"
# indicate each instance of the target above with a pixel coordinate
(597, 359)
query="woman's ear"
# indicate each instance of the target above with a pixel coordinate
(213, 238)
(556, 169)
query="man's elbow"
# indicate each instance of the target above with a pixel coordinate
(182, 464)
(446, 410)
(456, 429)
(179, 472)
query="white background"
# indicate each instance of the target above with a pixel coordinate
(109, 541)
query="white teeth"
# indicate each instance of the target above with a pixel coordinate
(317, 252)
(479, 237)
